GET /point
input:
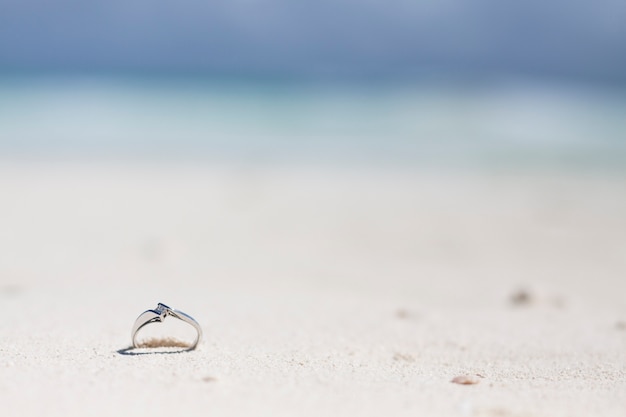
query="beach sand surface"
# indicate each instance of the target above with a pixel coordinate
(321, 291)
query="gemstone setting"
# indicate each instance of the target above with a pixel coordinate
(162, 310)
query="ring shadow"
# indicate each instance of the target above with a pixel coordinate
(129, 351)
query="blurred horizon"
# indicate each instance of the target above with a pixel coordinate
(450, 125)
(434, 83)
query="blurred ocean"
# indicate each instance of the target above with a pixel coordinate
(434, 123)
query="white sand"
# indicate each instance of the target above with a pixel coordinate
(321, 292)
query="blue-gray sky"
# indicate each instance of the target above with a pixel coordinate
(568, 38)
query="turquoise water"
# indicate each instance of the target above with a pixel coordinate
(442, 124)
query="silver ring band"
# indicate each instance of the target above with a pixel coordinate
(158, 315)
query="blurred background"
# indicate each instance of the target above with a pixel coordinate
(417, 82)
(327, 140)
(357, 199)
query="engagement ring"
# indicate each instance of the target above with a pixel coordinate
(158, 315)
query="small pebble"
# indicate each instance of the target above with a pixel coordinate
(466, 379)
(405, 357)
(521, 297)
(402, 313)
